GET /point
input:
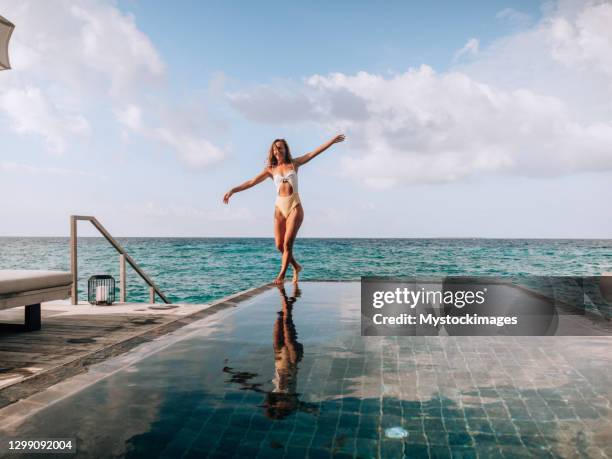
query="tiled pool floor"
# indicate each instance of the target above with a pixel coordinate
(290, 376)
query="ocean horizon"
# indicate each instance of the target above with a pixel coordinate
(202, 269)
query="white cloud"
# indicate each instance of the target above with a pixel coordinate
(471, 48)
(113, 44)
(182, 138)
(87, 45)
(64, 55)
(555, 58)
(31, 111)
(517, 108)
(282, 103)
(131, 118)
(76, 61)
(191, 149)
(585, 40)
(514, 17)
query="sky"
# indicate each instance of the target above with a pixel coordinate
(462, 119)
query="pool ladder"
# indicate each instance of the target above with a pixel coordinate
(123, 257)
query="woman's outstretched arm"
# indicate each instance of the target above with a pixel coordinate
(308, 156)
(246, 185)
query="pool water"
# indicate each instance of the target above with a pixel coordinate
(287, 374)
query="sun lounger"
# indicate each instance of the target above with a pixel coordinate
(29, 288)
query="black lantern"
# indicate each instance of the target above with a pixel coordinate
(101, 289)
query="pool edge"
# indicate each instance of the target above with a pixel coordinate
(20, 391)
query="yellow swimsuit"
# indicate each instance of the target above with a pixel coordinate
(287, 203)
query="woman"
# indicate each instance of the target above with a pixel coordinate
(288, 211)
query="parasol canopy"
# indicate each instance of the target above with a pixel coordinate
(6, 29)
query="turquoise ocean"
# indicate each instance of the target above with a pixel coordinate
(198, 270)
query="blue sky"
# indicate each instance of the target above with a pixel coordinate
(257, 41)
(463, 119)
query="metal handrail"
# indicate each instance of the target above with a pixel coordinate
(123, 257)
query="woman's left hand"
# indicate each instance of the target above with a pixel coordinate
(339, 138)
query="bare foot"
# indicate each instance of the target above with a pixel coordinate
(296, 272)
(279, 280)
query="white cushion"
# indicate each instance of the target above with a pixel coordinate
(23, 280)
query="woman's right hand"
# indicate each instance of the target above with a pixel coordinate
(227, 196)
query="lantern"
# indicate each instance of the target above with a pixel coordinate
(101, 290)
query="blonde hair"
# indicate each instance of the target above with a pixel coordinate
(272, 162)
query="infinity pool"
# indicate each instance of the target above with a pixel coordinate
(287, 374)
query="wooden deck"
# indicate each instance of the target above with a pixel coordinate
(73, 337)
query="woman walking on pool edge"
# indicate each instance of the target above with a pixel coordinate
(288, 211)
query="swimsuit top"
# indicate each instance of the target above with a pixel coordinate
(291, 178)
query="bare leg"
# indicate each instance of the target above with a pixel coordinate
(296, 270)
(279, 240)
(279, 230)
(292, 225)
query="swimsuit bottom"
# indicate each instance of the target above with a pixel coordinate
(287, 203)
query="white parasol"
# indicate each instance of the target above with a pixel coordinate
(6, 29)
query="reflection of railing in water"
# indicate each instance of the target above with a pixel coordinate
(123, 257)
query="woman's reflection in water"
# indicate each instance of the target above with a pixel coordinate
(283, 399)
